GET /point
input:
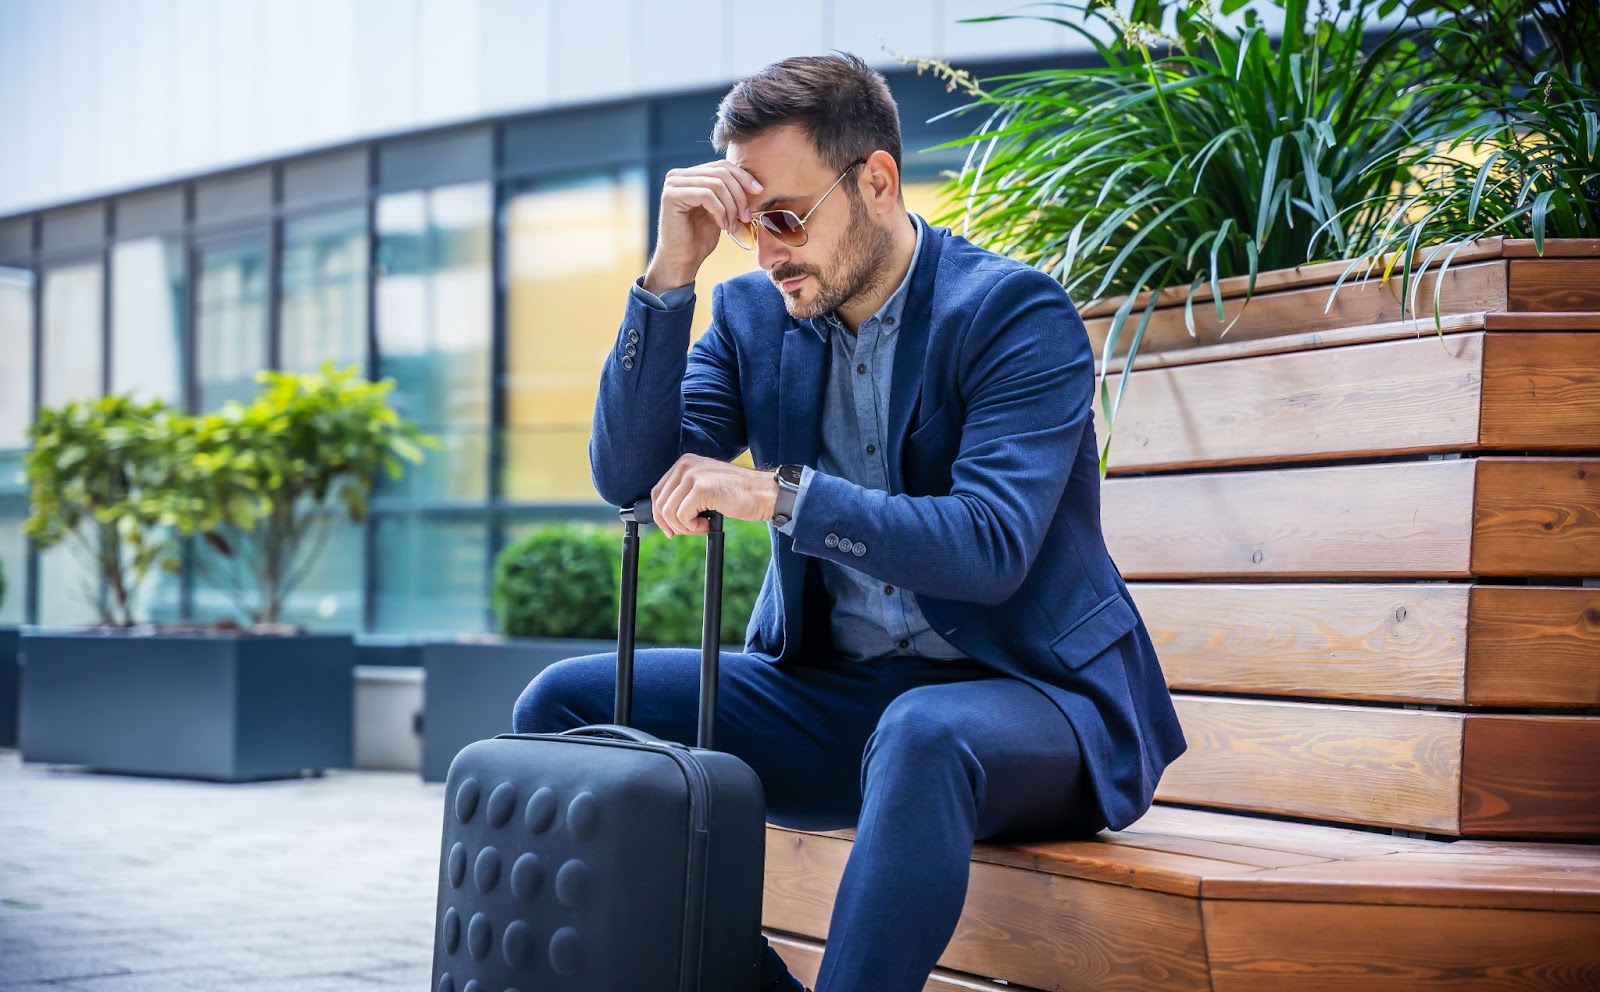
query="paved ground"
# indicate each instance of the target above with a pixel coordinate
(120, 884)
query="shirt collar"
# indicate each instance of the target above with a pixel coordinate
(895, 304)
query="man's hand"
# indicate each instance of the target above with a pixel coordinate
(697, 205)
(695, 484)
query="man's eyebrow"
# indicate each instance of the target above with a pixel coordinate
(773, 201)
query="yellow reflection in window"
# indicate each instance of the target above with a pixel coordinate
(572, 248)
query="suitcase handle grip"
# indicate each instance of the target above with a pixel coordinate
(641, 512)
(612, 731)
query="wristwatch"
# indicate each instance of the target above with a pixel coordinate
(788, 477)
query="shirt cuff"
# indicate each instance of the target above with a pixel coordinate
(799, 497)
(672, 299)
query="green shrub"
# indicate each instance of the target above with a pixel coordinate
(563, 580)
(2, 582)
(558, 581)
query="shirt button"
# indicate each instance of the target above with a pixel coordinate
(888, 590)
(872, 449)
(889, 321)
(862, 368)
(904, 644)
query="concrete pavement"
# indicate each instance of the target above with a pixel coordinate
(113, 883)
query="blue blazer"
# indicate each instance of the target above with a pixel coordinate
(993, 518)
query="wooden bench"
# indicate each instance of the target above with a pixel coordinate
(1369, 556)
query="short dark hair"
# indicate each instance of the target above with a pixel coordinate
(842, 104)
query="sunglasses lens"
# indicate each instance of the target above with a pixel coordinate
(785, 226)
(746, 238)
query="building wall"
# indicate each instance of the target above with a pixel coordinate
(100, 96)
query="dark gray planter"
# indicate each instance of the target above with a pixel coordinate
(232, 708)
(469, 688)
(8, 686)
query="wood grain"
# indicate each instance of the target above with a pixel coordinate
(1531, 776)
(1271, 946)
(1406, 519)
(1570, 883)
(1387, 398)
(1471, 288)
(1534, 646)
(1354, 764)
(1394, 642)
(1582, 321)
(1540, 391)
(1032, 928)
(1308, 840)
(804, 959)
(1536, 517)
(1553, 248)
(1552, 285)
(1151, 866)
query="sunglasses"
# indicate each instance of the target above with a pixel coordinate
(786, 225)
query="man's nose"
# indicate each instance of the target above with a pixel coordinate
(770, 252)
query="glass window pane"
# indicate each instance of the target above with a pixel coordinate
(13, 545)
(329, 597)
(16, 343)
(324, 301)
(433, 326)
(147, 288)
(68, 586)
(230, 322)
(573, 247)
(71, 339)
(432, 575)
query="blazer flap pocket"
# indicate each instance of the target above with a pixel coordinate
(932, 429)
(1095, 631)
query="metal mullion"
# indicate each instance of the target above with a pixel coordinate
(499, 349)
(274, 355)
(30, 602)
(369, 540)
(191, 384)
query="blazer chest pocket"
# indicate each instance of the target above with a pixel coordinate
(1095, 631)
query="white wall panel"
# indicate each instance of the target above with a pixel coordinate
(100, 96)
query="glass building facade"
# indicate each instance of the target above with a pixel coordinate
(482, 267)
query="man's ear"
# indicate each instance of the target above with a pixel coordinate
(880, 180)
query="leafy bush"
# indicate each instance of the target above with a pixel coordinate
(562, 581)
(2, 582)
(105, 478)
(558, 581)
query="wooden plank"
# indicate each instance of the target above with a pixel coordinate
(1406, 519)
(1107, 859)
(1393, 397)
(1393, 642)
(1571, 884)
(1019, 926)
(1585, 321)
(1533, 646)
(1296, 277)
(1354, 764)
(1531, 776)
(1541, 391)
(1472, 288)
(1311, 840)
(1269, 946)
(1537, 516)
(1552, 285)
(1553, 248)
(804, 958)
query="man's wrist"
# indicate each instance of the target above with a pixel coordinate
(659, 281)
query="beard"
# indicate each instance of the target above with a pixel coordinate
(858, 269)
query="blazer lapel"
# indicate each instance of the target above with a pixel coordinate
(905, 385)
(803, 370)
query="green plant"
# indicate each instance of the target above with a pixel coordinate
(103, 479)
(1188, 158)
(275, 473)
(2, 582)
(558, 581)
(672, 583)
(1529, 169)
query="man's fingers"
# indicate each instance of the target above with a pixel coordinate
(732, 205)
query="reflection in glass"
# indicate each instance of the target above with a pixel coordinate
(147, 319)
(329, 597)
(16, 344)
(230, 322)
(432, 575)
(433, 325)
(324, 295)
(72, 352)
(573, 247)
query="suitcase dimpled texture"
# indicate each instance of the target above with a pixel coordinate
(603, 860)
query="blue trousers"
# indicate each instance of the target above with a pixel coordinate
(922, 757)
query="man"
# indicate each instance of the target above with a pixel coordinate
(942, 650)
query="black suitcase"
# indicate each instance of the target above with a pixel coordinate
(602, 860)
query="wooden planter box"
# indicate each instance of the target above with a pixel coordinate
(230, 708)
(1334, 508)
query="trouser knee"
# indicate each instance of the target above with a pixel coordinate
(550, 701)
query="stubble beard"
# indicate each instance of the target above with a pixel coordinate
(857, 270)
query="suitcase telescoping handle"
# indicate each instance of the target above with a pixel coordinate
(633, 517)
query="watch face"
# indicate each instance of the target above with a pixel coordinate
(790, 474)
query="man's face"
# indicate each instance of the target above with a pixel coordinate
(846, 249)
